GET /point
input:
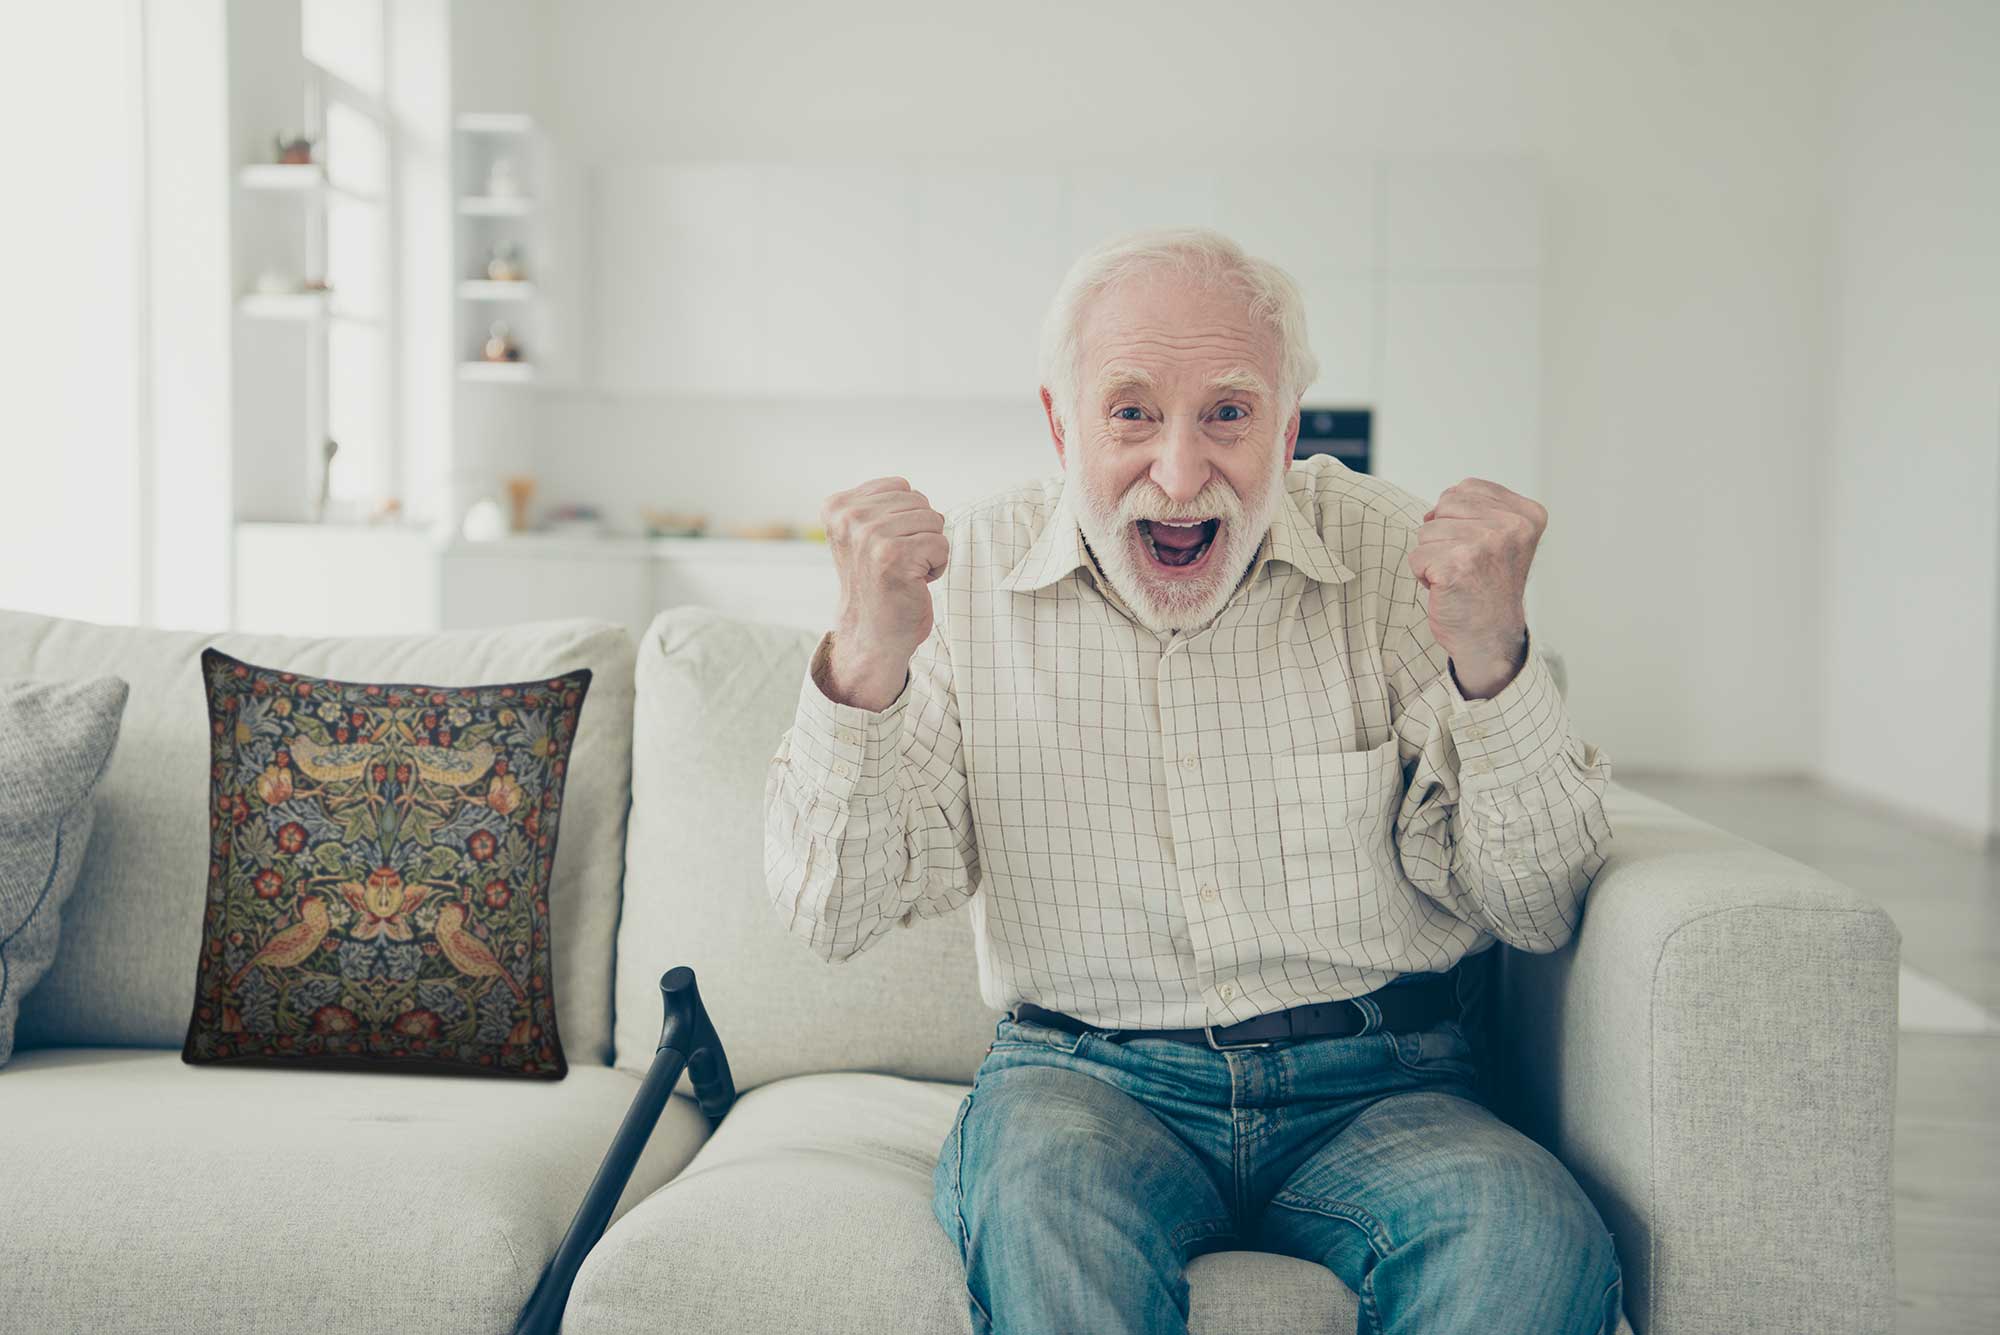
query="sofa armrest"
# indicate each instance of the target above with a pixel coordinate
(1714, 1059)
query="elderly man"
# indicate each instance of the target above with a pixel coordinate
(1242, 766)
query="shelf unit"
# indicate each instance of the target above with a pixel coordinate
(483, 139)
(492, 426)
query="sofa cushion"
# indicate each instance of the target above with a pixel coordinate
(378, 871)
(809, 1211)
(146, 1195)
(55, 740)
(122, 974)
(714, 695)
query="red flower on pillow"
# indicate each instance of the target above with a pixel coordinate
(416, 1024)
(482, 845)
(291, 836)
(334, 1020)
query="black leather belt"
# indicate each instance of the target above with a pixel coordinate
(1405, 1007)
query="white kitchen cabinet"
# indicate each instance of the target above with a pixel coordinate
(628, 580)
(1461, 215)
(791, 583)
(676, 281)
(531, 579)
(1341, 325)
(991, 247)
(1314, 217)
(1108, 200)
(1461, 384)
(835, 280)
(334, 579)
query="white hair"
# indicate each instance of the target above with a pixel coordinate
(1201, 253)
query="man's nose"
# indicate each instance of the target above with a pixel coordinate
(1181, 469)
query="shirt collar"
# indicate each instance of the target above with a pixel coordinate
(1058, 549)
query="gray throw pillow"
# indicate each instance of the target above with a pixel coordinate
(55, 741)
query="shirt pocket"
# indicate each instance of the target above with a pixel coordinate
(1334, 813)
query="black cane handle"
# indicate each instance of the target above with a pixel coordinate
(687, 1039)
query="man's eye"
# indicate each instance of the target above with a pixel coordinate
(1120, 414)
(1230, 412)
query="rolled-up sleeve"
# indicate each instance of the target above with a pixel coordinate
(867, 816)
(1502, 821)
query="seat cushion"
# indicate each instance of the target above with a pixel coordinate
(809, 1211)
(124, 972)
(143, 1194)
(714, 695)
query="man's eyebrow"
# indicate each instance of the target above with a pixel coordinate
(1241, 379)
(1116, 379)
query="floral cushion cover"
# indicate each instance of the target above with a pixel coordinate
(379, 863)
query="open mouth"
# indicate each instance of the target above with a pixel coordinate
(1178, 546)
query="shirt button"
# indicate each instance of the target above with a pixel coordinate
(1477, 731)
(840, 768)
(1208, 893)
(1226, 991)
(850, 737)
(1478, 767)
(1188, 762)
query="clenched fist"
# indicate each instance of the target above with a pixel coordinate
(1472, 555)
(888, 545)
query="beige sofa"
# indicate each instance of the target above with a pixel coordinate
(1713, 1057)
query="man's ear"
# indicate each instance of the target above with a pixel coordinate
(1292, 439)
(1055, 427)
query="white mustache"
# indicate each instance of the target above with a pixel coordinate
(1214, 501)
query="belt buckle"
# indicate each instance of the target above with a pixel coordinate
(1208, 1030)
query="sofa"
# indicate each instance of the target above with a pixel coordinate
(1713, 1056)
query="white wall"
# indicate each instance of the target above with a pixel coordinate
(1681, 149)
(71, 337)
(188, 313)
(1912, 482)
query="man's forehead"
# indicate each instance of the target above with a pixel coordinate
(1223, 375)
(1158, 332)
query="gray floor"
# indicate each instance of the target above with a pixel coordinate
(1945, 897)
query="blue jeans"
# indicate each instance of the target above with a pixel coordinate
(1083, 1172)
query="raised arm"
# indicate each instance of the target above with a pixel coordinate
(867, 818)
(1503, 819)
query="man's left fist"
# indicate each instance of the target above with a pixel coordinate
(1473, 552)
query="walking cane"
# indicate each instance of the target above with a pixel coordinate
(687, 1038)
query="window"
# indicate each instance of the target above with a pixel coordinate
(346, 59)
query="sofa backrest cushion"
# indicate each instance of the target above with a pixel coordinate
(124, 972)
(56, 740)
(714, 695)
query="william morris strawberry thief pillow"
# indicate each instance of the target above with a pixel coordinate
(378, 877)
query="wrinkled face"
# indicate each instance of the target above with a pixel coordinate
(1177, 445)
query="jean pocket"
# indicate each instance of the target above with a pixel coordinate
(1441, 1050)
(1027, 1034)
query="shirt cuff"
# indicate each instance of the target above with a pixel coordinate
(1513, 734)
(842, 751)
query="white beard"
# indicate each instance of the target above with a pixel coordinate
(1160, 605)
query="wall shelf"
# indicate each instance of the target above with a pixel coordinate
(496, 206)
(291, 176)
(488, 289)
(283, 305)
(504, 373)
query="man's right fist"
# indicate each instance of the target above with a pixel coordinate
(888, 545)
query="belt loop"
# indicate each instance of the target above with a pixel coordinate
(1371, 1014)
